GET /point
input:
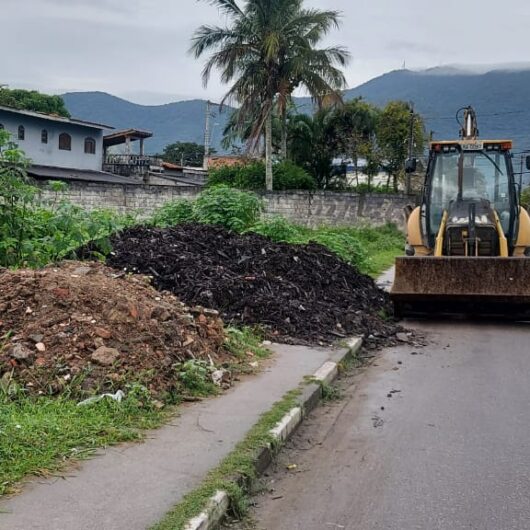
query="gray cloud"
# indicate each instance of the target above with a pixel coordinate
(139, 47)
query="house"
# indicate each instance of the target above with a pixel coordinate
(69, 149)
(51, 140)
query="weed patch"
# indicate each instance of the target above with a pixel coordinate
(39, 435)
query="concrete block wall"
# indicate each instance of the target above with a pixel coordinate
(309, 209)
(338, 209)
(124, 198)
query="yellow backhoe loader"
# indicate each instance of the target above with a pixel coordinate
(468, 244)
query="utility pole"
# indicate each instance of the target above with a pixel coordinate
(408, 187)
(207, 134)
(208, 130)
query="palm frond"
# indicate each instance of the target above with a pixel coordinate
(229, 7)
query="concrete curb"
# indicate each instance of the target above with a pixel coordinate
(213, 513)
(217, 506)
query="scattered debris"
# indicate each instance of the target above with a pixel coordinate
(100, 332)
(300, 293)
(402, 337)
(118, 396)
(377, 422)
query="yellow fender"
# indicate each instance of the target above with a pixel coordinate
(414, 238)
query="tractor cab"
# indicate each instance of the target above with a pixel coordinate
(471, 195)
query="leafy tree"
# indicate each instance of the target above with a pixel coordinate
(354, 127)
(184, 153)
(393, 133)
(267, 50)
(33, 100)
(311, 144)
(371, 152)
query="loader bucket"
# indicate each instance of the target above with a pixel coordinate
(473, 286)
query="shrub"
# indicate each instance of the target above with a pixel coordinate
(344, 243)
(278, 229)
(236, 210)
(224, 175)
(251, 176)
(173, 213)
(289, 176)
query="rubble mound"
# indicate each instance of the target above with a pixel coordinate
(82, 326)
(300, 293)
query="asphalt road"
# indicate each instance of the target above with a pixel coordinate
(450, 449)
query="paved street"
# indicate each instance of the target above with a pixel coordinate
(449, 450)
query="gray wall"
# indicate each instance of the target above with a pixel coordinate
(310, 209)
(338, 209)
(49, 154)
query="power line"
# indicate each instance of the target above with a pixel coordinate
(481, 115)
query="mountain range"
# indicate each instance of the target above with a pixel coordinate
(501, 98)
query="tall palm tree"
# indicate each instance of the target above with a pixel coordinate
(267, 50)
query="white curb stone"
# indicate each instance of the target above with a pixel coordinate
(287, 424)
(214, 512)
(327, 372)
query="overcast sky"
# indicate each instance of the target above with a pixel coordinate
(138, 49)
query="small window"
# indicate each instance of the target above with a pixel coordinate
(90, 146)
(44, 136)
(65, 142)
(21, 132)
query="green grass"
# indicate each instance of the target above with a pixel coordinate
(381, 245)
(371, 249)
(38, 435)
(240, 462)
(244, 341)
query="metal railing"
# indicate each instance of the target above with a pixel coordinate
(129, 164)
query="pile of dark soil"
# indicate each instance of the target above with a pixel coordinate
(83, 327)
(300, 293)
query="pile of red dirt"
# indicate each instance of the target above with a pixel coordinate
(300, 293)
(84, 327)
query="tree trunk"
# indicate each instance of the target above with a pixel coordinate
(268, 152)
(284, 134)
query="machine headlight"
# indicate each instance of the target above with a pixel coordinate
(409, 250)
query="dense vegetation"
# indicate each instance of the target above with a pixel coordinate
(33, 100)
(251, 176)
(354, 132)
